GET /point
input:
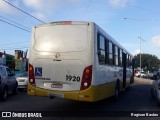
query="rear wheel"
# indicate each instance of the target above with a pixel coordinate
(4, 94)
(152, 92)
(117, 90)
(15, 89)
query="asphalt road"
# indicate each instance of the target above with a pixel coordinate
(137, 98)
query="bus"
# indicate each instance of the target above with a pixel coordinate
(77, 60)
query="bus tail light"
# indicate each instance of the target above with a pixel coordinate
(65, 22)
(31, 75)
(86, 78)
(62, 23)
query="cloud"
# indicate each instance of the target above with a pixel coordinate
(45, 9)
(14, 2)
(36, 4)
(7, 8)
(136, 52)
(41, 16)
(119, 3)
(32, 3)
(50, 4)
(156, 41)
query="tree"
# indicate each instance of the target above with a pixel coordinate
(148, 62)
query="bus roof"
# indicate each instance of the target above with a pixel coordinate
(85, 22)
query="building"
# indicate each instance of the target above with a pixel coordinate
(16, 62)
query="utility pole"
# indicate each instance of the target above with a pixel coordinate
(140, 61)
(140, 38)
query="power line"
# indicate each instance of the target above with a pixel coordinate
(6, 12)
(133, 19)
(13, 48)
(144, 9)
(86, 9)
(13, 22)
(14, 25)
(137, 7)
(15, 43)
(23, 11)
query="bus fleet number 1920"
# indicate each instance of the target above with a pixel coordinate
(72, 78)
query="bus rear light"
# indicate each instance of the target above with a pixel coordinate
(31, 75)
(66, 23)
(84, 96)
(86, 78)
(85, 84)
(87, 72)
(62, 23)
(31, 90)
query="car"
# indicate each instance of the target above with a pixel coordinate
(155, 90)
(150, 75)
(141, 74)
(153, 75)
(22, 80)
(8, 82)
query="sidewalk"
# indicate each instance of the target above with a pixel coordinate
(142, 80)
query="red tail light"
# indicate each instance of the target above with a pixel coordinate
(86, 78)
(66, 23)
(31, 75)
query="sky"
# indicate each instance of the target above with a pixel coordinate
(125, 20)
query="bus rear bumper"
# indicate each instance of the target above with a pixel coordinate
(34, 91)
(92, 94)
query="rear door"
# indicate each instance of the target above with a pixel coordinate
(124, 57)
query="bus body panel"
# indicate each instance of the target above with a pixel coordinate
(64, 75)
(59, 64)
(98, 92)
(55, 70)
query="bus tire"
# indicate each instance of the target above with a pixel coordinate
(15, 89)
(152, 93)
(117, 90)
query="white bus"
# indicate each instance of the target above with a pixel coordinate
(77, 61)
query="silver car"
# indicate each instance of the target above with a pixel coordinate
(8, 83)
(155, 91)
(141, 74)
(22, 80)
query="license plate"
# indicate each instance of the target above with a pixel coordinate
(21, 80)
(56, 95)
(56, 85)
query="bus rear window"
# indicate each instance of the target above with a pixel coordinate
(61, 38)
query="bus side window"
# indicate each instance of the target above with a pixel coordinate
(131, 62)
(116, 55)
(128, 57)
(110, 54)
(126, 60)
(101, 49)
(120, 57)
